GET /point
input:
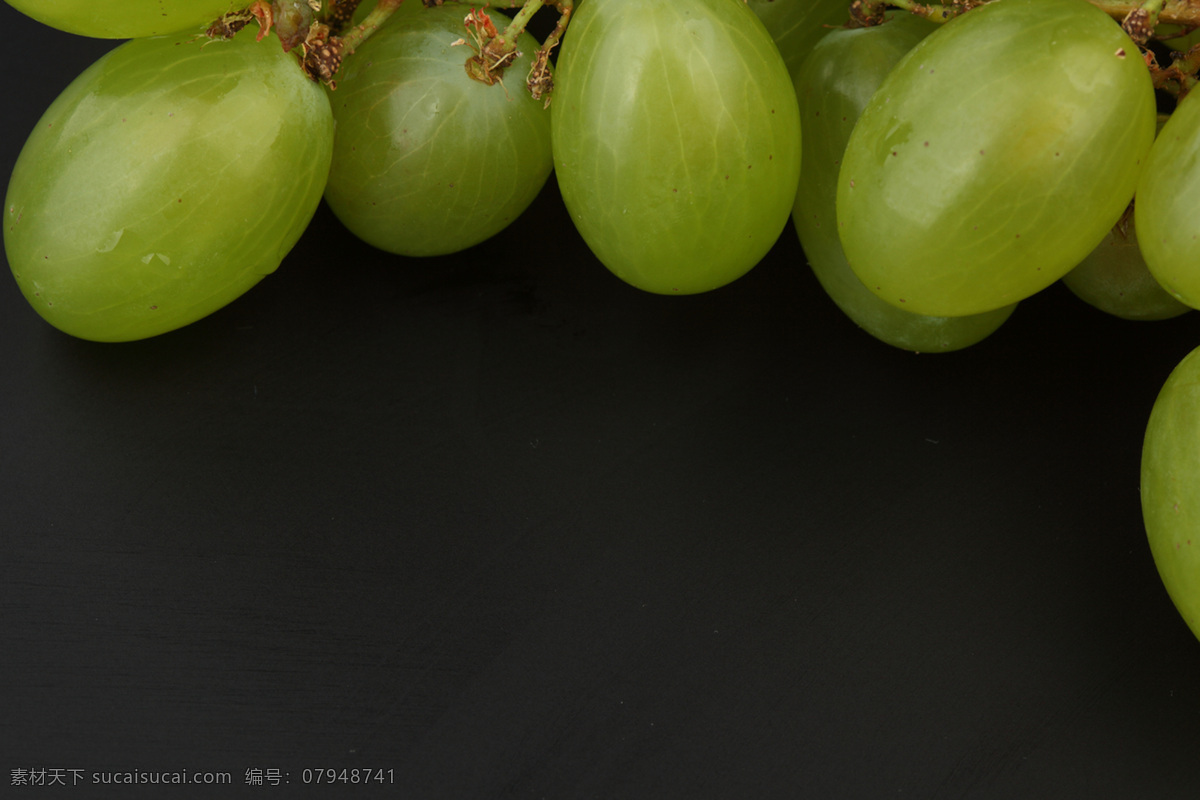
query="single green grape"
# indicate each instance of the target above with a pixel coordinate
(125, 19)
(833, 85)
(1168, 195)
(1170, 487)
(676, 139)
(428, 160)
(165, 181)
(797, 25)
(1115, 279)
(995, 156)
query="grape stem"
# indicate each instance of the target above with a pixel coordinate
(1179, 78)
(374, 20)
(339, 14)
(507, 40)
(539, 81)
(496, 50)
(493, 51)
(865, 13)
(323, 49)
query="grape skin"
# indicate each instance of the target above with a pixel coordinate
(995, 156)
(124, 19)
(165, 181)
(832, 86)
(797, 25)
(676, 140)
(1168, 195)
(1170, 487)
(428, 161)
(1114, 278)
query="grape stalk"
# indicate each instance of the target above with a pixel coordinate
(318, 33)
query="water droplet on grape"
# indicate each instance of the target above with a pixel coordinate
(110, 244)
(163, 257)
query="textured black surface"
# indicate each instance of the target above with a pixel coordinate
(508, 528)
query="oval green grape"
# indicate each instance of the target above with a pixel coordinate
(1170, 487)
(797, 25)
(406, 8)
(995, 156)
(1114, 278)
(125, 19)
(165, 181)
(1168, 195)
(676, 139)
(833, 85)
(427, 160)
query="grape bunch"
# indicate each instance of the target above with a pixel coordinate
(939, 164)
(182, 167)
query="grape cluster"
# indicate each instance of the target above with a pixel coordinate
(938, 167)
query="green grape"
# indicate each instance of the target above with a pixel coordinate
(833, 85)
(1176, 37)
(1115, 279)
(405, 8)
(797, 25)
(125, 19)
(1168, 195)
(995, 156)
(676, 139)
(1170, 487)
(165, 181)
(428, 160)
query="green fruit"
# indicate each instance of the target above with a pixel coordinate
(1115, 279)
(797, 25)
(1168, 195)
(402, 11)
(125, 19)
(1170, 483)
(833, 85)
(995, 156)
(166, 180)
(428, 160)
(676, 139)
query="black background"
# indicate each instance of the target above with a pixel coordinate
(505, 527)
